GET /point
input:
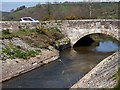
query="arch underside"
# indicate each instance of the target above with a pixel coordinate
(81, 35)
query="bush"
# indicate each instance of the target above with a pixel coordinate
(6, 34)
(17, 52)
(42, 30)
(6, 31)
(47, 18)
(20, 8)
(71, 17)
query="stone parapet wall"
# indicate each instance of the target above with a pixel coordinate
(73, 29)
(82, 24)
(101, 76)
(16, 25)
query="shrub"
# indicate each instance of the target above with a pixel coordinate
(17, 52)
(47, 18)
(6, 34)
(31, 53)
(71, 17)
(42, 30)
(6, 31)
(20, 8)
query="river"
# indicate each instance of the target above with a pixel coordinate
(73, 64)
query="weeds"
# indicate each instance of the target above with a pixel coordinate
(17, 52)
(117, 76)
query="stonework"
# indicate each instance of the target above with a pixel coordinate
(101, 76)
(98, 77)
(74, 29)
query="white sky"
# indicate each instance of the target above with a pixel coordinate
(55, 0)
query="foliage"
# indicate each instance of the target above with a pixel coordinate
(117, 76)
(40, 37)
(72, 17)
(52, 33)
(48, 17)
(80, 10)
(17, 52)
(20, 33)
(6, 31)
(20, 8)
(6, 34)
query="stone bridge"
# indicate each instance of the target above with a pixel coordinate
(74, 29)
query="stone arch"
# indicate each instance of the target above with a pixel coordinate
(113, 34)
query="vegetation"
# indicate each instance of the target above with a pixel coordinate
(7, 34)
(40, 37)
(79, 10)
(103, 37)
(17, 52)
(108, 38)
(117, 76)
(20, 8)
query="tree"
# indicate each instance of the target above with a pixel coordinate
(38, 5)
(20, 8)
(48, 8)
(12, 10)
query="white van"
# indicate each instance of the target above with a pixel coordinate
(28, 19)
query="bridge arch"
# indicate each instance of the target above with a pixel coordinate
(112, 33)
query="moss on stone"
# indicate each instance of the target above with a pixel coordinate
(117, 76)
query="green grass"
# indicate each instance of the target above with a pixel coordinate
(61, 11)
(40, 37)
(24, 32)
(17, 52)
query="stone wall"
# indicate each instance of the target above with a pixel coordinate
(76, 29)
(73, 29)
(15, 25)
(101, 76)
(62, 43)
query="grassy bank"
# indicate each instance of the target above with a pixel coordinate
(39, 38)
(69, 11)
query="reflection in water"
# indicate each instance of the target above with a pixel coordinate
(107, 46)
(63, 73)
(103, 46)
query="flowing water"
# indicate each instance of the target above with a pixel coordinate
(73, 64)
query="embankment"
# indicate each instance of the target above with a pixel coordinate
(101, 76)
(15, 67)
(22, 41)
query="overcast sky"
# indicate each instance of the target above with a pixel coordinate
(52, 0)
(7, 5)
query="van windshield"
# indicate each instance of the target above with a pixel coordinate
(27, 19)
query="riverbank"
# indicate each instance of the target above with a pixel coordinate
(25, 50)
(101, 76)
(15, 67)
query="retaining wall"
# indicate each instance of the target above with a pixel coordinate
(101, 76)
